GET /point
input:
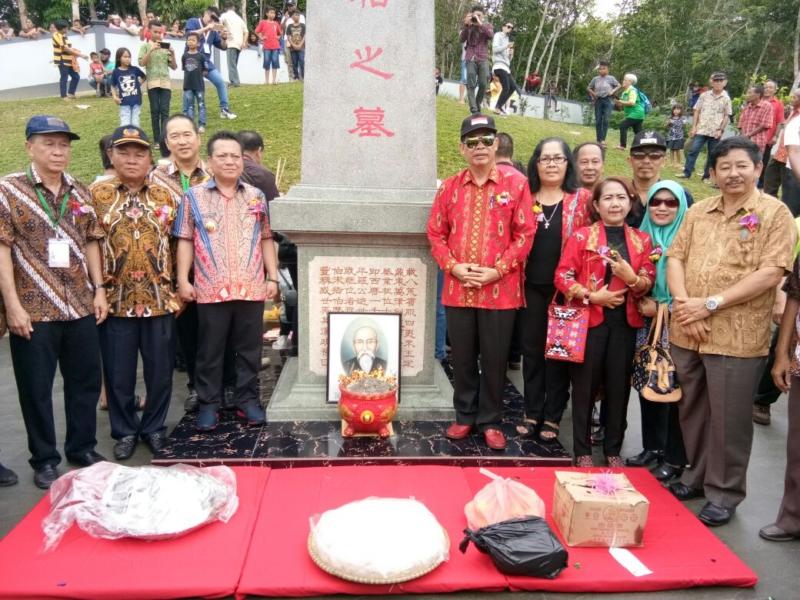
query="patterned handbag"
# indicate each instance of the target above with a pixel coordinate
(653, 373)
(567, 327)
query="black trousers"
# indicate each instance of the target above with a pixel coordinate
(508, 88)
(159, 113)
(767, 393)
(773, 172)
(635, 124)
(546, 381)
(790, 191)
(121, 341)
(661, 430)
(186, 327)
(485, 335)
(608, 359)
(237, 326)
(74, 347)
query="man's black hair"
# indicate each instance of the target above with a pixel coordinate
(221, 136)
(738, 142)
(577, 149)
(230, 5)
(250, 140)
(505, 145)
(602, 63)
(477, 8)
(180, 116)
(759, 89)
(570, 177)
(105, 146)
(193, 34)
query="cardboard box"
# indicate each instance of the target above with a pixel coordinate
(588, 518)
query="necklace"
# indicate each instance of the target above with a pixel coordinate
(544, 218)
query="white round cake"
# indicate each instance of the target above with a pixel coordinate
(378, 540)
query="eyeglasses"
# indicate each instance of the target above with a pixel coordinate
(668, 202)
(486, 140)
(559, 159)
(509, 27)
(641, 155)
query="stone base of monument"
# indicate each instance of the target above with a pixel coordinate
(295, 401)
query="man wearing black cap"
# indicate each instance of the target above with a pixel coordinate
(51, 282)
(480, 229)
(711, 115)
(648, 152)
(136, 216)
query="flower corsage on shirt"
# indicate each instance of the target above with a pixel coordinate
(749, 223)
(501, 199)
(656, 254)
(78, 208)
(256, 207)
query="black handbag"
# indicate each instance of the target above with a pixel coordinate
(653, 373)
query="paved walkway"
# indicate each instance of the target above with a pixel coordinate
(776, 564)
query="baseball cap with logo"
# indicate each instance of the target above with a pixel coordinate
(42, 124)
(477, 122)
(128, 134)
(648, 138)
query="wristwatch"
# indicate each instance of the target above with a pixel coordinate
(713, 303)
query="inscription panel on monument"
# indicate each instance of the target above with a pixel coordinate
(370, 285)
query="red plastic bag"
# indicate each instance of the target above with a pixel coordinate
(500, 500)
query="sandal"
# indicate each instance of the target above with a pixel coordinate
(584, 461)
(549, 432)
(527, 427)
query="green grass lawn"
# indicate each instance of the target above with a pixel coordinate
(276, 112)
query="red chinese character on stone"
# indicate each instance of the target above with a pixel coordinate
(373, 3)
(368, 57)
(369, 123)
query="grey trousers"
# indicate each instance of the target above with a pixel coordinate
(716, 415)
(477, 78)
(789, 513)
(233, 65)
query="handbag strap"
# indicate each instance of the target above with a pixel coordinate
(655, 328)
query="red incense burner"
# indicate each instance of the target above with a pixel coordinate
(367, 403)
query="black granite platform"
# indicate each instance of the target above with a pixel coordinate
(320, 443)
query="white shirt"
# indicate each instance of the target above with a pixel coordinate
(237, 29)
(791, 136)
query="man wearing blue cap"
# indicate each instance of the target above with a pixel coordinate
(51, 283)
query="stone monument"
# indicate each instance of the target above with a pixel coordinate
(358, 215)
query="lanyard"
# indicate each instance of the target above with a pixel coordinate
(185, 181)
(46, 206)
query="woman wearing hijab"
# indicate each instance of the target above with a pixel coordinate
(661, 433)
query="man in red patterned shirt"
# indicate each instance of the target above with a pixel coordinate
(755, 120)
(481, 229)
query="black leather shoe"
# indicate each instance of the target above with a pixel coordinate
(87, 459)
(666, 472)
(124, 447)
(155, 441)
(684, 492)
(714, 516)
(7, 476)
(644, 458)
(44, 477)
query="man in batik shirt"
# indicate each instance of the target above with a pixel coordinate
(480, 229)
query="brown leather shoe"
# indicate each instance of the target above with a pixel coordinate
(761, 414)
(495, 439)
(458, 432)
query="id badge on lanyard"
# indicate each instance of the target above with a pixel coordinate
(58, 253)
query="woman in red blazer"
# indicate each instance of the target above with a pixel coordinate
(607, 267)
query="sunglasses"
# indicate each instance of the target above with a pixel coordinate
(641, 155)
(486, 140)
(668, 202)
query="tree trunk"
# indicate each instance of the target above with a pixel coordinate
(569, 73)
(92, 11)
(761, 56)
(536, 39)
(550, 56)
(76, 9)
(796, 52)
(244, 10)
(23, 12)
(551, 42)
(142, 6)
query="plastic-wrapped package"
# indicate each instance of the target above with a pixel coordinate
(378, 540)
(500, 500)
(110, 501)
(520, 547)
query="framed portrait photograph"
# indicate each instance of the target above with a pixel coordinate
(364, 342)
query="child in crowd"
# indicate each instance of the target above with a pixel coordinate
(194, 67)
(78, 27)
(269, 30)
(97, 74)
(126, 87)
(6, 31)
(495, 89)
(675, 136)
(437, 76)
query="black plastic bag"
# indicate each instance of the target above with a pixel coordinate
(523, 546)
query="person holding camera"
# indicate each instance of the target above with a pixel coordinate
(212, 33)
(476, 34)
(157, 57)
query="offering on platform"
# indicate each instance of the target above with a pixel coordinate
(368, 403)
(378, 541)
(599, 509)
(523, 546)
(500, 500)
(111, 501)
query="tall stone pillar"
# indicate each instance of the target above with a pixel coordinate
(368, 179)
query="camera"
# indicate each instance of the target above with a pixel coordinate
(474, 19)
(165, 45)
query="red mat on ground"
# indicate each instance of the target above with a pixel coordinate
(278, 563)
(206, 562)
(679, 550)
